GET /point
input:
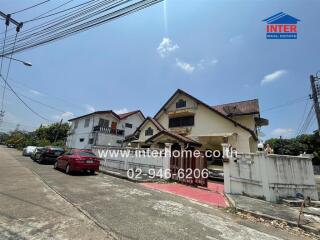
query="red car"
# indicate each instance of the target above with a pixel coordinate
(78, 160)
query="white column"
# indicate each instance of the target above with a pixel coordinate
(226, 168)
(166, 157)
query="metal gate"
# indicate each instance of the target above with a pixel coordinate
(189, 170)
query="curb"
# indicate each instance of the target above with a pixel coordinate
(269, 217)
(113, 174)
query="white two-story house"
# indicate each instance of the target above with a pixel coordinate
(102, 128)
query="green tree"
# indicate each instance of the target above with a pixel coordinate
(306, 143)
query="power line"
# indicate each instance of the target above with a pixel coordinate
(304, 112)
(288, 103)
(27, 8)
(6, 78)
(306, 122)
(71, 103)
(80, 22)
(24, 103)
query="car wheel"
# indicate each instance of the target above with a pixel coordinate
(55, 166)
(40, 161)
(92, 172)
(68, 169)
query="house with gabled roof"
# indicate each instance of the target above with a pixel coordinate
(102, 128)
(189, 122)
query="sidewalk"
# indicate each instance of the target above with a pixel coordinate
(260, 208)
(29, 209)
(213, 195)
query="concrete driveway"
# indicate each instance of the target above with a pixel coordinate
(38, 202)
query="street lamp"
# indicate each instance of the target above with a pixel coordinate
(29, 64)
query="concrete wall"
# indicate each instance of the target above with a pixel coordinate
(131, 159)
(271, 177)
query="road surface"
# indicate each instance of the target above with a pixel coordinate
(38, 202)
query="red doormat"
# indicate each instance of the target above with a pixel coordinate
(213, 195)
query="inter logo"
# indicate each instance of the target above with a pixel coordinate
(281, 26)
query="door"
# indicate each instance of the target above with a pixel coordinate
(189, 169)
(114, 127)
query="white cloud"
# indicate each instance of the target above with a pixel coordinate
(121, 111)
(236, 39)
(187, 67)
(284, 132)
(166, 47)
(204, 63)
(89, 108)
(273, 76)
(65, 116)
(35, 92)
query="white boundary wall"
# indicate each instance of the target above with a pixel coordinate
(129, 158)
(271, 177)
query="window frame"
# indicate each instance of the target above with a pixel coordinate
(104, 121)
(181, 121)
(86, 122)
(148, 132)
(128, 125)
(181, 103)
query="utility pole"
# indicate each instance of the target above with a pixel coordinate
(57, 131)
(315, 91)
(8, 20)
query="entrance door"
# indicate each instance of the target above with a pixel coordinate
(188, 169)
(114, 127)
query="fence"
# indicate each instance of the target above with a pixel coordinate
(271, 177)
(316, 169)
(132, 158)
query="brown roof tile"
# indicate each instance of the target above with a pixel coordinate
(238, 108)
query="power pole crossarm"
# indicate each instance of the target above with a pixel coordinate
(315, 100)
(8, 19)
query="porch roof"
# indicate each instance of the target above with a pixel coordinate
(175, 136)
(217, 135)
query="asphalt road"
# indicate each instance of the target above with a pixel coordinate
(38, 202)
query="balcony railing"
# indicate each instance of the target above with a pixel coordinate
(108, 130)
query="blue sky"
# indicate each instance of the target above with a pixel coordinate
(214, 49)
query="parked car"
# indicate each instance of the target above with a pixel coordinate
(78, 160)
(34, 153)
(9, 145)
(48, 154)
(27, 151)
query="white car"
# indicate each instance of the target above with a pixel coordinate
(27, 151)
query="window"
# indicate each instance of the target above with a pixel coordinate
(103, 122)
(86, 122)
(81, 139)
(90, 141)
(128, 125)
(86, 154)
(181, 103)
(149, 132)
(76, 124)
(181, 121)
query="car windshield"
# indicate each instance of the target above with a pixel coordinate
(56, 149)
(86, 154)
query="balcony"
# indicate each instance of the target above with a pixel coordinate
(108, 130)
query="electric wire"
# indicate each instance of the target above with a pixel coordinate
(33, 6)
(6, 78)
(73, 28)
(24, 103)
